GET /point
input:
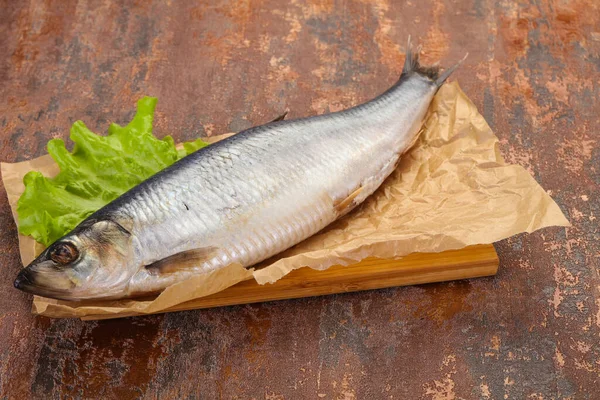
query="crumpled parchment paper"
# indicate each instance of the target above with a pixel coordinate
(451, 190)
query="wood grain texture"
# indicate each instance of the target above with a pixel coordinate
(371, 273)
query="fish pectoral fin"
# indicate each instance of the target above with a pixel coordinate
(343, 206)
(182, 261)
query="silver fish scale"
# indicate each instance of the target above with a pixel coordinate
(265, 189)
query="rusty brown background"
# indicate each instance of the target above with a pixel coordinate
(533, 331)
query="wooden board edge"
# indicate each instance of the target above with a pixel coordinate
(469, 262)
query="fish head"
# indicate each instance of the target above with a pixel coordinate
(95, 260)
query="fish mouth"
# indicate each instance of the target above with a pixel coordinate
(24, 280)
(57, 285)
(28, 281)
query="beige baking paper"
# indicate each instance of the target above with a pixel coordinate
(451, 190)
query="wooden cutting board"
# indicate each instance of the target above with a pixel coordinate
(371, 273)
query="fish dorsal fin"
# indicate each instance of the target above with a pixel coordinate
(182, 261)
(279, 118)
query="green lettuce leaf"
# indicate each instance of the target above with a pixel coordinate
(97, 171)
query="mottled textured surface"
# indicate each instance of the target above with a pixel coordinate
(534, 67)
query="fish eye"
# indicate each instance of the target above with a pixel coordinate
(64, 253)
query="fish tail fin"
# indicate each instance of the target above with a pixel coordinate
(412, 65)
(442, 78)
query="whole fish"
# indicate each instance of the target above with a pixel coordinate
(241, 200)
